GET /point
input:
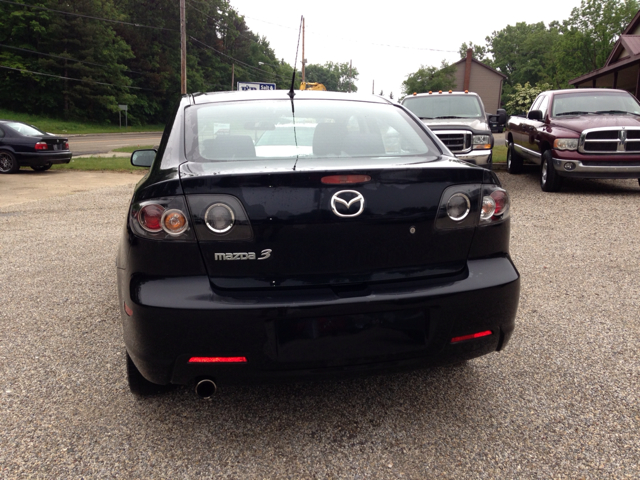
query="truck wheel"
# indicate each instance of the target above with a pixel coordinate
(8, 163)
(514, 161)
(550, 181)
(141, 386)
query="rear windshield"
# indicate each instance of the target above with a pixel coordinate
(25, 129)
(268, 129)
(445, 106)
(594, 102)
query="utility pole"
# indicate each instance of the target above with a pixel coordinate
(233, 74)
(373, 87)
(304, 60)
(183, 49)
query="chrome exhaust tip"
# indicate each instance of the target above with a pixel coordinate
(206, 388)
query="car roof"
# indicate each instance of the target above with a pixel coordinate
(585, 90)
(212, 97)
(431, 94)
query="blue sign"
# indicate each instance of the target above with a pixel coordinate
(256, 86)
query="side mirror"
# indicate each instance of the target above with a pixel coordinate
(535, 115)
(502, 116)
(143, 158)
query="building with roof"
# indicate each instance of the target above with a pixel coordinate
(622, 68)
(478, 77)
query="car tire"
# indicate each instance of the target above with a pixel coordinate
(514, 161)
(41, 168)
(8, 163)
(550, 181)
(139, 385)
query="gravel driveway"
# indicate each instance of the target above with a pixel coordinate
(563, 400)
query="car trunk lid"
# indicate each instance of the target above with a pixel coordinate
(304, 232)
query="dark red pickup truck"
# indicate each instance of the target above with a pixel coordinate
(583, 133)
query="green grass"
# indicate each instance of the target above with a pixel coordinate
(134, 148)
(500, 154)
(64, 127)
(109, 164)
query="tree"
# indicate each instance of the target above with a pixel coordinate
(430, 79)
(479, 52)
(391, 96)
(337, 77)
(588, 36)
(523, 96)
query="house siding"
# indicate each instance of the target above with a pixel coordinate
(484, 82)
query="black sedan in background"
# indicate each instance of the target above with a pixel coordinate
(23, 145)
(367, 247)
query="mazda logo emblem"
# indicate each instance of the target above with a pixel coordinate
(347, 198)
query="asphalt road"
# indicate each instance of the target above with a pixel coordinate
(562, 401)
(105, 142)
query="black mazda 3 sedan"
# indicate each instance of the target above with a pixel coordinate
(23, 145)
(325, 235)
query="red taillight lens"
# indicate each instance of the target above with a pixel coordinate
(66, 146)
(502, 201)
(218, 360)
(345, 179)
(486, 333)
(150, 217)
(41, 146)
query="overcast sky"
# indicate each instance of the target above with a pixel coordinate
(386, 41)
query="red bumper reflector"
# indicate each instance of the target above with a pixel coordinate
(345, 179)
(218, 360)
(471, 337)
(127, 310)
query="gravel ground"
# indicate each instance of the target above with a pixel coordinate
(560, 402)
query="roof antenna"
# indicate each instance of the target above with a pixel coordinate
(295, 65)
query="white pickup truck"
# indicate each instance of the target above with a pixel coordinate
(459, 120)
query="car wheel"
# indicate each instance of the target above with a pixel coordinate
(8, 163)
(550, 181)
(514, 161)
(141, 386)
(41, 168)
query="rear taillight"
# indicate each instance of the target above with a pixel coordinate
(150, 216)
(161, 219)
(470, 205)
(219, 218)
(495, 204)
(66, 145)
(41, 146)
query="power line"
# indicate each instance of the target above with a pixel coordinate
(76, 79)
(240, 62)
(88, 16)
(355, 41)
(68, 58)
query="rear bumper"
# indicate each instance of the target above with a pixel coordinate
(40, 159)
(313, 334)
